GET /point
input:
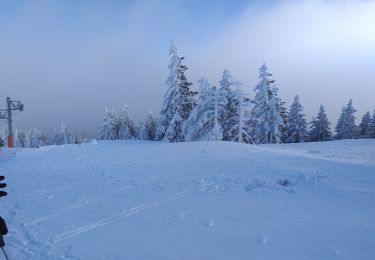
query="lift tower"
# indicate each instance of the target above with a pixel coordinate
(12, 105)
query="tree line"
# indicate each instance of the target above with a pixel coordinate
(216, 113)
(34, 138)
(225, 113)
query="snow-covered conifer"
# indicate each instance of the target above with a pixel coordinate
(178, 101)
(203, 123)
(64, 136)
(2, 142)
(34, 139)
(109, 129)
(265, 117)
(204, 89)
(241, 126)
(126, 127)
(364, 126)
(346, 128)
(20, 138)
(150, 126)
(228, 113)
(147, 129)
(276, 121)
(320, 127)
(29, 139)
(142, 131)
(296, 123)
(3, 135)
(281, 107)
(371, 130)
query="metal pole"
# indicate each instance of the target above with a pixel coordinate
(10, 128)
(5, 253)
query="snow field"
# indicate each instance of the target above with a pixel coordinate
(202, 200)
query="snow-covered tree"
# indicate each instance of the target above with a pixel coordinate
(340, 123)
(34, 138)
(265, 116)
(320, 127)
(147, 129)
(241, 128)
(2, 142)
(125, 126)
(203, 123)
(295, 129)
(346, 128)
(371, 129)
(109, 129)
(281, 107)
(204, 89)
(3, 136)
(142, 131)
(276, 122)
(228, 113)
(20, 138)
(364, 126)
(178, 102)
(64, 136)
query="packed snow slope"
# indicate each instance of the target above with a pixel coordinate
(202, 200)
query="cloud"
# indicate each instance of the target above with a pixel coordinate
(322, 50)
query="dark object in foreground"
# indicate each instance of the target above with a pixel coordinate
(3, 231)
(2, 185)
(3, 225)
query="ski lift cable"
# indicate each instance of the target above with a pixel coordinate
(43, 114)
(49, 117)
(24, 123)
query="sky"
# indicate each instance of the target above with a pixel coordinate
(67, 60)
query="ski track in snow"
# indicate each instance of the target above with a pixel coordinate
(27, 242)
(76, 206)
(115, 218)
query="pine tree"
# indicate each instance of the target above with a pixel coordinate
(281, 107)
(320, 127)
(20, 138)
(346, 128)
(141, 132)
(265, 117)
(2, 142)
(178, 101)
(364, 126)
(125, 126)
(340, 123)
(204, 89)
(148, 127)
(241, 127)
(62, 136)
(228, 113)
(109, 130)
(276, 122)
(34, 138)
(371, 129)
(3, 136)
(295, 129)
(203, 123)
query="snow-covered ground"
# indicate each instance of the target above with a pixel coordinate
(203, 200)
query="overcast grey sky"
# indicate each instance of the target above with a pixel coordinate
(68, 59)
